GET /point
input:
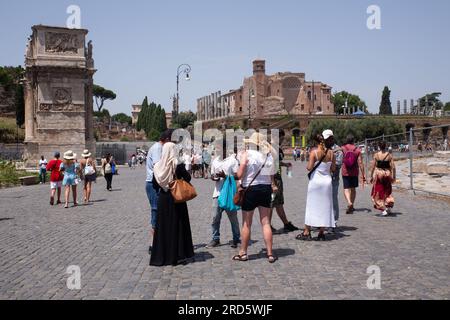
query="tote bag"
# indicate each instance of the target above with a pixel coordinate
(227, 193)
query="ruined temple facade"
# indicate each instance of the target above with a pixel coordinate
(263, 95)
(58, 92)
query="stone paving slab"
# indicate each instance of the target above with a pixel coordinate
(109, 240)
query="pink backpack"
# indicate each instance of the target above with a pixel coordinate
(350, 159)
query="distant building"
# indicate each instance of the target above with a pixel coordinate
(268, 95)
(136, 109)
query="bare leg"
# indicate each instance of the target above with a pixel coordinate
(67, 193)
(59, 194)
(85, 195)
(74, 192)
(264, 214)
(353, 196)
(348, 196)
(282, 214)
(88, 191)
(247, 218)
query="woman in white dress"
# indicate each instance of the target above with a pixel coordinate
(319, 203)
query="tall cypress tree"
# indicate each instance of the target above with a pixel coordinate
(385, 106)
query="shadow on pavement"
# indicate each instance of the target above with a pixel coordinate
(6, 219)
(363, 210)
(280, 253)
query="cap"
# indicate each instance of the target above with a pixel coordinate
(327, 134)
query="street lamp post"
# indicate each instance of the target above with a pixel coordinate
(186, 69)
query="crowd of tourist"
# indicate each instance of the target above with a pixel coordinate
(251, 175)
(67, 173)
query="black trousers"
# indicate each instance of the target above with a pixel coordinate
(108, 178)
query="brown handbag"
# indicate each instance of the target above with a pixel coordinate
(182, 191)
(239, 197)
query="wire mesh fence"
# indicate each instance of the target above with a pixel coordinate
(422, 158)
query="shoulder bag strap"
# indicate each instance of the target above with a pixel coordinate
(256, 176)
(319, 163)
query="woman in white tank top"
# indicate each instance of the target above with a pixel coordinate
(256, 174)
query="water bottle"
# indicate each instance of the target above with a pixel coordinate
(289, 172)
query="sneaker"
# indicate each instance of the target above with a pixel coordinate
(385, 213)
(289, 227)
(213, 244)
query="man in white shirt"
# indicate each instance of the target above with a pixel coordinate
(42, 170)
(219, 171)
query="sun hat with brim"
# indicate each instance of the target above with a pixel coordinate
(69, 155)
(260, 141)
(86, 154)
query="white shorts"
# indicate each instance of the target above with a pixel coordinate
(55, 185)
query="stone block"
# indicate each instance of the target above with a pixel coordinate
(438, 168)
(442, 154)
(419, 167)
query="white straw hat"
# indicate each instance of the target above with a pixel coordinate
(69, 155)
(86, 153)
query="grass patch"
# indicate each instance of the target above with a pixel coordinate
(9, 176)
(8, 131)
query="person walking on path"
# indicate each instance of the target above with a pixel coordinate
(153, 157)
(319, 203)
(56, 178)
(256, 174)
(278, 200)
(107, 168)
(339, 156)
(352, 168)
(42, 170)
(89, 174)
(382, 175)
(172, 243)
(206, 158)
(219, 171)
(70, 180)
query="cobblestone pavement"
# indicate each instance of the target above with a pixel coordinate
(109, 240)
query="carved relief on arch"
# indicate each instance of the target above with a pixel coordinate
(61, 43)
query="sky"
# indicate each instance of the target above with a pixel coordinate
(138, 45)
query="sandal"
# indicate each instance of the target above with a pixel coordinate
(240, 257)
(303, 237)
(272, 259)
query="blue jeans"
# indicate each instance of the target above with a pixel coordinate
(335, 182)
(217, 217)
(42, 175)
(152, 196)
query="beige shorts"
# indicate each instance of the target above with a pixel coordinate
(55, 185)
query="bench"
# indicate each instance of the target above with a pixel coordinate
(29, 180)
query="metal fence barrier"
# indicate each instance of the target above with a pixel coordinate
(422, 158)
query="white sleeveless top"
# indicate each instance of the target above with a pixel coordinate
(255, 162)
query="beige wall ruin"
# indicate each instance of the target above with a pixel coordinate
(58, 92)
(273, 95)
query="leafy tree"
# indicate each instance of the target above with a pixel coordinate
(353, 101)
(184, 120)
(447, 106)
(152, 119)
(385, 106)
(361, 129)
(445, 131)
(10, 79)
(122, 118)
(102, 115)
(101, 95)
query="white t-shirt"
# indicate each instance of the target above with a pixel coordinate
(255, 162)
(43, 164)
(197, 159)
(229, 166)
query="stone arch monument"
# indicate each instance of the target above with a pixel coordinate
(58, 93)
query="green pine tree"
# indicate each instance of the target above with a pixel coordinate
(385, 106)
